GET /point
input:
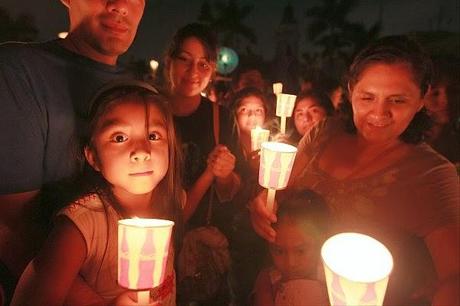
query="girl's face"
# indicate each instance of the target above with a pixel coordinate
(384, 101)
(294, 252)
(130, 147)
(250, 113)
(190, 72)
(307, 114)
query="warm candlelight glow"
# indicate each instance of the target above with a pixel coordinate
(153, 65)
(143, 247)
(357, 268)
(258, 136)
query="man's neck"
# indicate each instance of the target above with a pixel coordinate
(78, 46)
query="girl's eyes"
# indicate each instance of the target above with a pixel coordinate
(154, 136)
(119, 138)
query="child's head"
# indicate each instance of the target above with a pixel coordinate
(301, 229)
(310, 108)
(130, 142)
(249, 109)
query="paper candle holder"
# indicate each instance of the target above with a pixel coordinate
(258, 136)
(276, 162)
(277, 88)
(285, 105)
(357, 269)
(143, 247)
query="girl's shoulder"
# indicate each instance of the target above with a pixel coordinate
(87, 204)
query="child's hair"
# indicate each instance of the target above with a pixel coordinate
(306, 209)
(167, 195)
(238, 98)
(320, 97)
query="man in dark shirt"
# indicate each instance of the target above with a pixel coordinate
(44, 88)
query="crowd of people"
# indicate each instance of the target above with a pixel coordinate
(87, 145)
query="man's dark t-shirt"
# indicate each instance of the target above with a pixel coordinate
(44, 91)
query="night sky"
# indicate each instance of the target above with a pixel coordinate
(163, 17)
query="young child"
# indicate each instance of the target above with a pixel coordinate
(296, 275)
(249, 109)
(132, 171)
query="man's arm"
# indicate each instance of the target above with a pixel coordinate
(21, 229)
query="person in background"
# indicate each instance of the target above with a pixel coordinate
(310, 108)
(443, 105)
(189, 66)
(132, 170)
(247, 249)
(44, 90)
(205, 131)
(296, 275)
(379, 178)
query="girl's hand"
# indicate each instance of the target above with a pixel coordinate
(221, 161)
(261, 218)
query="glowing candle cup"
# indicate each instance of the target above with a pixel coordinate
(258, 136)
(284, 107)
(357, 269)
(276, 162)
(143, 247)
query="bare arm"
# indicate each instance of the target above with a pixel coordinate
(196, 193)
(49, 276)
(21, 232)
(444, 248)
(263, 292)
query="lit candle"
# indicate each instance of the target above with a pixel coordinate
(357, 268)
(258, 136)
(143, 247)
(276, 162)
(284, 107)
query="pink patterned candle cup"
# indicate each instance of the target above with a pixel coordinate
(258, 136)
(276, 162)
(357, 269)
(284, 107)
(143, 247)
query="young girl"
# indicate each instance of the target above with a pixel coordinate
(310, 108)
(294, 278)
(132, 171)
(249, 108)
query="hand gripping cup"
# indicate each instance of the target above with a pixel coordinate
(143, 247)
(357, 268)
(276, 162)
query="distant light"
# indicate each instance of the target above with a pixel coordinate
(63, 35)
(227, 60)
(153, 65)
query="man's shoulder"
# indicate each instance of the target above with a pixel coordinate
(16, 50)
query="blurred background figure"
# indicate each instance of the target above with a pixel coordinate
(443, 105)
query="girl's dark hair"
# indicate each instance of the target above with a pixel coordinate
(307, 209)
(202, 32)
(394, 50)
(320, 97)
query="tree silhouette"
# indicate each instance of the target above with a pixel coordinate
(20, 29)
(227, 18)
(337, 38)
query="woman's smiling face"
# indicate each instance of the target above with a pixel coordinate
(385, 100)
